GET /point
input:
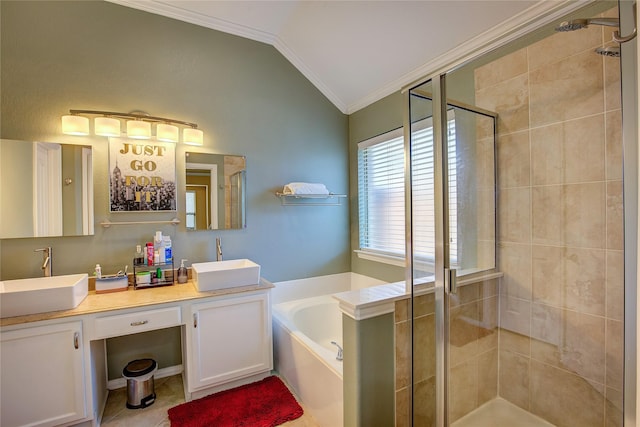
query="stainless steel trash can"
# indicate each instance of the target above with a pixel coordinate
(140, 389)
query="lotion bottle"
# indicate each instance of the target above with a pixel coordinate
(183, 275)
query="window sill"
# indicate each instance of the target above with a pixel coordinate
(385, 259)
(425, 266)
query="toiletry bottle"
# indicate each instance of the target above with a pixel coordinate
(183, 275)
(158, 246)
(156, 258)
(98, 271)
(168, 253)
(138, 258)
(149, 253)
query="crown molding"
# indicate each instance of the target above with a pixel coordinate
(299, 64)
(171, 11)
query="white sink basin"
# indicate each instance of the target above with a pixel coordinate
(42, 294)
(209, 276)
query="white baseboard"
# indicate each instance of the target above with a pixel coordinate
(160, 373)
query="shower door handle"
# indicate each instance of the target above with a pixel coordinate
(451, 280)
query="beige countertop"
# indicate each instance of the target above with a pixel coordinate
(98, 303)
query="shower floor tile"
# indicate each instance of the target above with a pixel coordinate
(500, 413)
(169, 393)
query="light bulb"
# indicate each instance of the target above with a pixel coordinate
(75, 125)
(166, 132)
(192, 136)
(106, 126)
(138, 129)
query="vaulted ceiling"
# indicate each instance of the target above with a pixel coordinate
(354, 52)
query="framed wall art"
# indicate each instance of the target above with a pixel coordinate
(142, 175)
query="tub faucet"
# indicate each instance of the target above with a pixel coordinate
(339, 355)
(218, 249)
(47, 264)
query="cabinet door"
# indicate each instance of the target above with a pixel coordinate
(231, 339)
(41, 375)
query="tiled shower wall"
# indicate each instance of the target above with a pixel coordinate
(560, 227)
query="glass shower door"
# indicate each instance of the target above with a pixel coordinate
(471, 279)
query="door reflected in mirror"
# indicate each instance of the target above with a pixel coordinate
(46, 189)
(215, 191)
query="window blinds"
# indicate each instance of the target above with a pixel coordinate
(381, 191)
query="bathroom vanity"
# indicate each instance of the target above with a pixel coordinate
(54, 364)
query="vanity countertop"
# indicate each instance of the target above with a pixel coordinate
(97, 303)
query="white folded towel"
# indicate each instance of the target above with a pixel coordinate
(305, 188)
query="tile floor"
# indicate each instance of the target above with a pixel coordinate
(169, 393)
(500, 413)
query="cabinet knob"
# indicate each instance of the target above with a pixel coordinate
(76, 340)
(195, 320)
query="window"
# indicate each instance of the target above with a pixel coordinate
(381, 192)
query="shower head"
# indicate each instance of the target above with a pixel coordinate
(578, 24)
(610, 51)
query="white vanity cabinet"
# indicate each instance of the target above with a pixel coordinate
(42, 375)
(229, 338)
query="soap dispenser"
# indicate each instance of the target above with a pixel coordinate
(183, 275)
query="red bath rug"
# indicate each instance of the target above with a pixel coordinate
(266, 403)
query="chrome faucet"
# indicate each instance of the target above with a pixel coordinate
(339, 355)
(47, 256)
(218, 249)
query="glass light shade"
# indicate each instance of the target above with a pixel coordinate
(192, 136)
(75, 125)
(137, 129)
(167, 133)
(106, 126)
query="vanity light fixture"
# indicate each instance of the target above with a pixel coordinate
(138, 123)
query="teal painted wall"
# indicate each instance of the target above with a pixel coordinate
(248, 99)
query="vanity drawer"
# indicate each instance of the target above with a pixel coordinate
(139, 321)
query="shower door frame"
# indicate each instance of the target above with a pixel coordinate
(441, 250)
(630, 64)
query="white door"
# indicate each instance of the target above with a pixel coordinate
(47, 194)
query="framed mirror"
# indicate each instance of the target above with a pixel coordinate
(215, 191)
(46, 189)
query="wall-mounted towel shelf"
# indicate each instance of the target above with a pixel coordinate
(107, 223)
(330, 199)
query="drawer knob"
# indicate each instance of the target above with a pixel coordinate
(139, 323)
